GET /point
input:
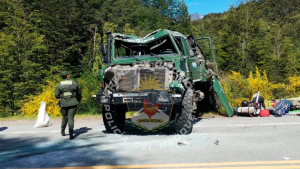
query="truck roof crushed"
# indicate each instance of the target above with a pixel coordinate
(153, 44)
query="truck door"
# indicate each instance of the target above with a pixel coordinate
(206, 63)
(192, 61)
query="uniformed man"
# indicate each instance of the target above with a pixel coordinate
(69, 93)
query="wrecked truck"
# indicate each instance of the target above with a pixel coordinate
(161, 79)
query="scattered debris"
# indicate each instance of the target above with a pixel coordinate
(216, 142)
(182, 143)
(286, 158)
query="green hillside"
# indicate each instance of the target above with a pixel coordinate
(262, 33)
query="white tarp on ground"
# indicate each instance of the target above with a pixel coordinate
(43, 117)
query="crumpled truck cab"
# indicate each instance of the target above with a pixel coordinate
(160, 79)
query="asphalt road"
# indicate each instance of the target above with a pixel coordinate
(241, 142)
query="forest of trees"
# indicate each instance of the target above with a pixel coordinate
(39, 38)
(257, 33)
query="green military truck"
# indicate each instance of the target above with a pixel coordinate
(160, 79)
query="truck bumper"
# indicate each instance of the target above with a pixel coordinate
(154, 96)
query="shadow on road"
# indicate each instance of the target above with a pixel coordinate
(197, 120)
(3, 128)
(35, 151)
(80, 131)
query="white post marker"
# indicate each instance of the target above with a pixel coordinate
(43, 117)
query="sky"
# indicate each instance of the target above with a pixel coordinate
(204, 7)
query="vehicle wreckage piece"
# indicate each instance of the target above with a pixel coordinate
(160, 79)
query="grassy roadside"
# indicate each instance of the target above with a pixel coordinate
(32, 118)
(16, 118)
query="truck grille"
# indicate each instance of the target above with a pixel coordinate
(129, 81)
(150, 74)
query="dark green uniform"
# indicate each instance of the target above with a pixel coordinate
(69, 93)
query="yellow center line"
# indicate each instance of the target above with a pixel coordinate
(200, 165)
(252, 167)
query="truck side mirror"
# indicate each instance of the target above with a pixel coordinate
(104, 53)
(103, 49)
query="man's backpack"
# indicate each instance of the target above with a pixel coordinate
(283, 107)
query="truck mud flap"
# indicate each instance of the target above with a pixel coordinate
(221, 95)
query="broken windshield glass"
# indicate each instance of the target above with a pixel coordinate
(158, 47)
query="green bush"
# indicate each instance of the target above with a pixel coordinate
(89, 85)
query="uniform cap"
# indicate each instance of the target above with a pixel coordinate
(64, 73)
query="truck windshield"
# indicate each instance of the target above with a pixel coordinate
(157, 47)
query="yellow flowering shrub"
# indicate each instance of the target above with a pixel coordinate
(239, 88)
(233, 98)
(31, 105)
(293, 89)
(88, 84)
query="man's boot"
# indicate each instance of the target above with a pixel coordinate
(63, 132)
(71, 134)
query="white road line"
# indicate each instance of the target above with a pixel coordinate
(233, 125)
(245, 125)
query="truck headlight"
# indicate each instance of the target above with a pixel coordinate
(163, 99)
(103, 99)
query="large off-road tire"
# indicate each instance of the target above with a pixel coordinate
(184, 114)
(113, 118)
